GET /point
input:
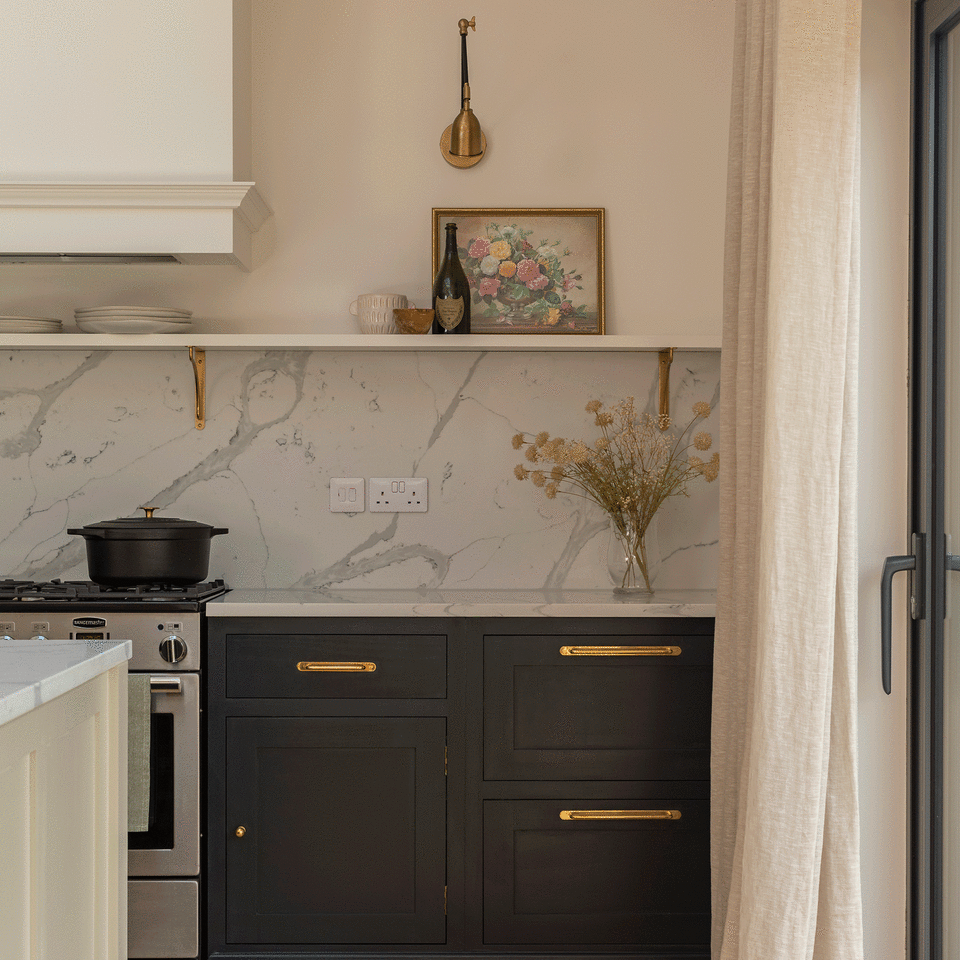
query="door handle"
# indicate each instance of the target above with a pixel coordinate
(891, 566)
(614, 651)
(166, 685)
(336, 666)
(620, 814)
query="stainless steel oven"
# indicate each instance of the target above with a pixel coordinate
(167, 630)
(163, 862)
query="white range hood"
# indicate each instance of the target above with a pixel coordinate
(130, 139)
(211, 223)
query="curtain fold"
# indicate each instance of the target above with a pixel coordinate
(784, 810)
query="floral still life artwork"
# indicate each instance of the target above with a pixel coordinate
(635, 464)
(530, 271)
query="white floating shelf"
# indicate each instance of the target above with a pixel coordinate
(506, 343)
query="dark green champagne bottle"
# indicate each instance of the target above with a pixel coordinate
(451, 292)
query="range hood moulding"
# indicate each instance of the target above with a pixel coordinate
(194, 223)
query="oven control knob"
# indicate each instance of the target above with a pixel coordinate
(39, 638)
(172, 649)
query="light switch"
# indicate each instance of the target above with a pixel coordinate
(346, 495)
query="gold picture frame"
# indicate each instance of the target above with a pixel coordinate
(530, 269)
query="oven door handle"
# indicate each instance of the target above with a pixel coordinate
(166, 685)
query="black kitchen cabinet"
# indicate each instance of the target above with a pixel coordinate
(509, 787)
(340, 833)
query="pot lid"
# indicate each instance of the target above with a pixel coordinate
(149, 528)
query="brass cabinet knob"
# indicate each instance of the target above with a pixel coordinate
(241, 831)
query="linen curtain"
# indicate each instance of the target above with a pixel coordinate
(784, 809)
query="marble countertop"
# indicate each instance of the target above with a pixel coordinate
(35, 672)
(459, 603)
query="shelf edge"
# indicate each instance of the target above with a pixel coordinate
(533, 343)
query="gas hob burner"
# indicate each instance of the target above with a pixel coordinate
(9, 589)
(86, 591)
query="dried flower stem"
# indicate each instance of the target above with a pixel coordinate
(631, 469)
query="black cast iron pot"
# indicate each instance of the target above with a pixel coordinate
(131, 551)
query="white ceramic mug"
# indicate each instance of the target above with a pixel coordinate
(375, 311)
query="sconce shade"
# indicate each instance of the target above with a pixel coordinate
(465, 132)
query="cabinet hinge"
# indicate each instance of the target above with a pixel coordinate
(444, 759)
(444, 900)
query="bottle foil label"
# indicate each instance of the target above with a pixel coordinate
(449, 311)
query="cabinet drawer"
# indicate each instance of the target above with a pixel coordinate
(551, 880)
(557, 707)
(336, 665)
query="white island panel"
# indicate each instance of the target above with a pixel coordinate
(63, 770)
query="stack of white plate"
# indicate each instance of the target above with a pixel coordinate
(133, 320)
(29, 325)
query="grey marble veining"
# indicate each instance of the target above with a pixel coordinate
(460, 603)
(87, 437)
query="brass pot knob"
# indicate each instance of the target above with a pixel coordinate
(241, 831)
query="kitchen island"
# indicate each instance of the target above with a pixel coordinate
(455, 773)
(63, 764)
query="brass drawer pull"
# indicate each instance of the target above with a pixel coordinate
(336, 666)
(619, 814)
(620, 651)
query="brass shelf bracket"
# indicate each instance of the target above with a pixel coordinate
(198, 358)
(666, 358)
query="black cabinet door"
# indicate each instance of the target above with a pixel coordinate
(343, 830)
(561, 707)
(558, 872)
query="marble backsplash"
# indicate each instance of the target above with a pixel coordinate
(93, 436)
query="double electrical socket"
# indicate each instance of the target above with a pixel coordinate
(387, 495)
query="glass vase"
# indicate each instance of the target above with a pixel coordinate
(633, 556)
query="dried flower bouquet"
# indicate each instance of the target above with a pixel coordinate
(629, 471)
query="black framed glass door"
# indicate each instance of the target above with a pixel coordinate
(934, 696)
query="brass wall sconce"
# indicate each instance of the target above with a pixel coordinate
(463, 143)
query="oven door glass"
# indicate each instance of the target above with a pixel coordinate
(171, 846)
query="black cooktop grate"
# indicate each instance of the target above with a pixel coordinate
(84, 591)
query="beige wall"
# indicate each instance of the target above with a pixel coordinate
(622, 104)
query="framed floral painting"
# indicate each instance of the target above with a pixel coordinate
(530, 270)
